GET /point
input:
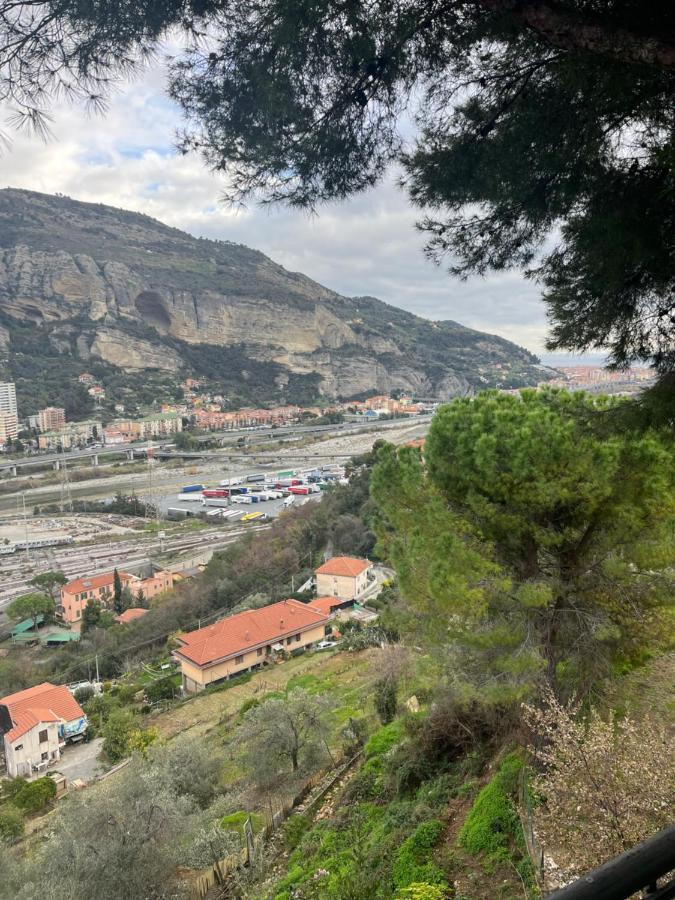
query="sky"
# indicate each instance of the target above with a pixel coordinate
(369, 245)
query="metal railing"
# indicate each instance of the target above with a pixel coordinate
(638, 869)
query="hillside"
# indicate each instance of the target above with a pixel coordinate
(142, 305)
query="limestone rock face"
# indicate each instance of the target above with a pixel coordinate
(119, 286)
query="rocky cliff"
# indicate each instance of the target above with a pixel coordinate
(105, 284)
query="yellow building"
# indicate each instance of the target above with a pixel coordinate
(246, 641)
(343, 576)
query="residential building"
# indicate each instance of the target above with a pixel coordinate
(247, 641)
(343, 576)
(97, 392)
(36, 724)
(72, 434)
(77, 593)
(9, 427)
(86, 378)
(127, 430)
(8, 398)
(51, 418)
(130, 615)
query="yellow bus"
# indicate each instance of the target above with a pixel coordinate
(253, 517)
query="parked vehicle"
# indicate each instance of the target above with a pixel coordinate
(326, 645)
(188, 489)
(195, 497)
(230, 482)
(215, 492)
(254, 478)
(216, 501)
(301, 490)
(253, 517)
(289, 501)
(242, 498)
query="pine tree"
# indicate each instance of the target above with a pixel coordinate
(537, 537)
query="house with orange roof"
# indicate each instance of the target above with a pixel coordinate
(247, 641)
(343, 576)
(36, 724)
(130, 615)
(77, 593)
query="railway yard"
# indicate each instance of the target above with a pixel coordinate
(101, 542)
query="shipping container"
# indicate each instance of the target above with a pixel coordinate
(216, 492)
(300, 490)
(196, 497)
(253, 478)
(217, 501)
(192, 487)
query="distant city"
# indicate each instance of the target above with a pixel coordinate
(48, 430)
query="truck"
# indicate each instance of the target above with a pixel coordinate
(190, 488)
(253, 517)
(299, 489)
(230, 482)
(216, 501)
(254, 478)
(215, 492)
(194, 497)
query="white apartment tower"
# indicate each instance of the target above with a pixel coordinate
(8, 398)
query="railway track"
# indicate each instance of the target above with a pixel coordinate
(75, 561)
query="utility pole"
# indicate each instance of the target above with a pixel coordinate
(98, 680)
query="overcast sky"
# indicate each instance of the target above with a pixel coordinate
(369, 245)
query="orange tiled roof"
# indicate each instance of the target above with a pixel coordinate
(134, 612)
(236, 634)
(326, 605)
(344, 565)
(92, 582)
(30, 707)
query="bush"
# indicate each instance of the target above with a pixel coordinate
(162, 689)
(413, 861)
(11, 823)
(33, 796)
(248, 704)
(385, 700)
(422, 891)
(294, 830)
(492, 825)
(83, 694)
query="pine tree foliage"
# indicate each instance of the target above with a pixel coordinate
(535, 542)
(533, 135)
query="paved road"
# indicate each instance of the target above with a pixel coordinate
(81, 761)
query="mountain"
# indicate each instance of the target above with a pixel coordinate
(143, 305)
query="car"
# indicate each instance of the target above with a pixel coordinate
(326, 645)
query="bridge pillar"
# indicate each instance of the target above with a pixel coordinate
(94, 459)
(13, 471)
(57, 465)
(130, 454)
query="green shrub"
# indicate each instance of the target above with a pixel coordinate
(295, 829)
(83, 694)
(385, 700)
(492, 824)
(161, 689)
(35, 795)
(382, 740)
(422, 891)
(413, 862)
(251, 703)
(11, 823)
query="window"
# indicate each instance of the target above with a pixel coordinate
(297, 638)
(289, 640)
(260, 651)
(79, 613)
(238, 660)
(43, 737)
(18, 747)
(44, 756)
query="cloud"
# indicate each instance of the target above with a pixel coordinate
(369, 245)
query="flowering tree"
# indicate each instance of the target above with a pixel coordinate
(605, 785)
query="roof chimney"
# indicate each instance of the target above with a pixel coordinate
(281, 623)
